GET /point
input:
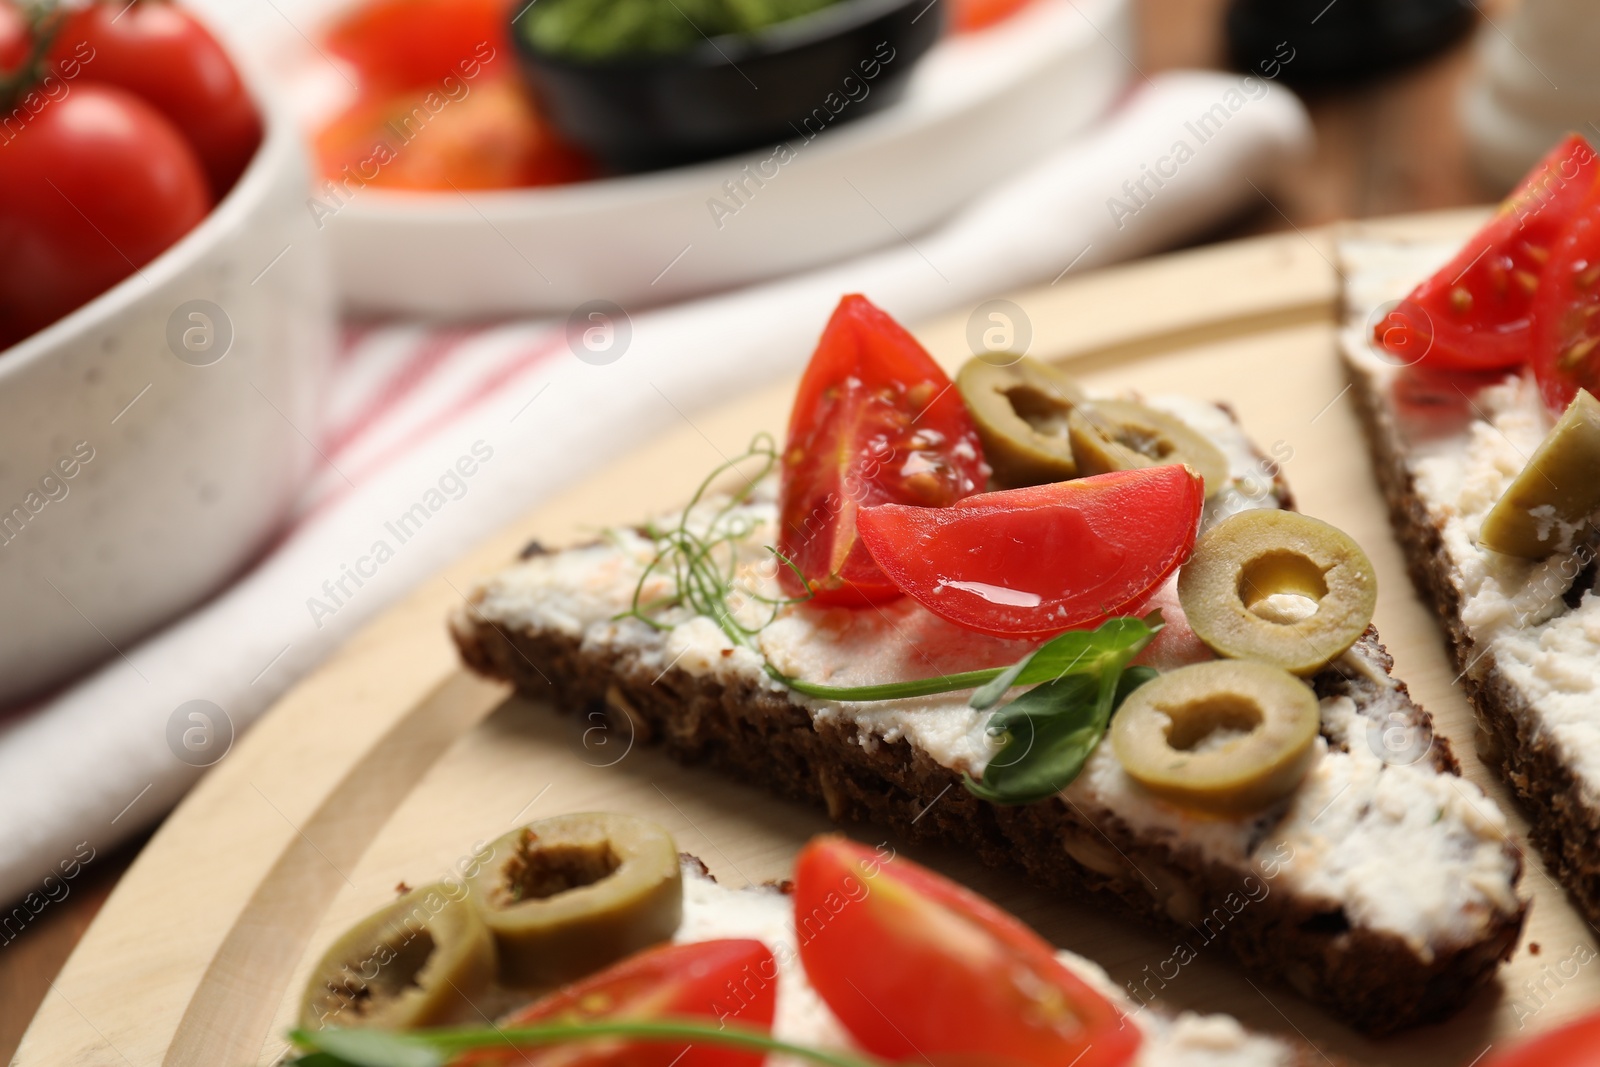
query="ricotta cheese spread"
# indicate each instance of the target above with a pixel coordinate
(1513, 609)
(711, 910)
(1398, 846)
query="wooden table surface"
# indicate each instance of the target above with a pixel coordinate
(1388, 147)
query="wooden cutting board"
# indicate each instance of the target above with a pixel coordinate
(389, 763)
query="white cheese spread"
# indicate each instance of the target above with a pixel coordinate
(1399, 847)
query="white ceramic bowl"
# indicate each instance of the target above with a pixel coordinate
(134, 482)
(979, 107)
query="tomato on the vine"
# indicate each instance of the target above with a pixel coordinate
(167, 57)
(875, 421)
(1035, 562)
(92, 187)
(1476, 313)
(734, 980)
(920, 969)
(1566, 332)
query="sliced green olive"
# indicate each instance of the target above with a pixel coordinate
(1240, 587)
(568, 895)
(419, 961)
(1228, 737)
(1560, 485)
(1119, 435)
(1021, 413)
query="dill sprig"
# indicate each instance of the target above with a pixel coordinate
(701, 557)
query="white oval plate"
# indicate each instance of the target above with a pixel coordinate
(979, 106)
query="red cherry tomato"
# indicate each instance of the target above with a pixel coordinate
(401, 44)
(166, 56)
(1475, 314)
(94, 185)
(875, 422)
(921, 970)
(676, 981)
(1034, 562)
(16, 37)
(1576, 1044)
(1566, 332)
(488, 137)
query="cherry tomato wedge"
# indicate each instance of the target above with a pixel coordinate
(921, 970)
(1476, 312)
(1576, 1044)
(1566, 313)
(1037, 561)
(669, 981)
(399, 44)
(969, 15)
(490, 136)
(875, 422)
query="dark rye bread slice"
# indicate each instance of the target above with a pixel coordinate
(1563, 812)
(1372, 976)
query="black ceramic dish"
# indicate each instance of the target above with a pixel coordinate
(729, 94)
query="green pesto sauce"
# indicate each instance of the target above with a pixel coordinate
(603, 29)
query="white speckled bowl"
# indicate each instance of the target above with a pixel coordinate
(180, 469)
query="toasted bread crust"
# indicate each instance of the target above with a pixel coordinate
(1371, 979)
(1563, 824)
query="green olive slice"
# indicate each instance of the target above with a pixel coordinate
(1560, 485)
(1021, 414)
(568, 895)
(420, 960)
(1228, 737)
(1247, 573)
(1119, 435)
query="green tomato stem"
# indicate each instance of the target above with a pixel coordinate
(916, 687)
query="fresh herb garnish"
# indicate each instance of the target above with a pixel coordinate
(704, 566)
(1048, 733)
(1044, 736)
(436, 1047)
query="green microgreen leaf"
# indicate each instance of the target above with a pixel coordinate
(1085, 652)
(1047, 734)
(435, 1047)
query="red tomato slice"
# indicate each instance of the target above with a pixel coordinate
(970, 15)
(1034, 562)
(875, 422)
(490, 136)
(921, 970)
(1575, 1045)
(734, 980)
(397, 44)
(1566, 327)
(1476, 313)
